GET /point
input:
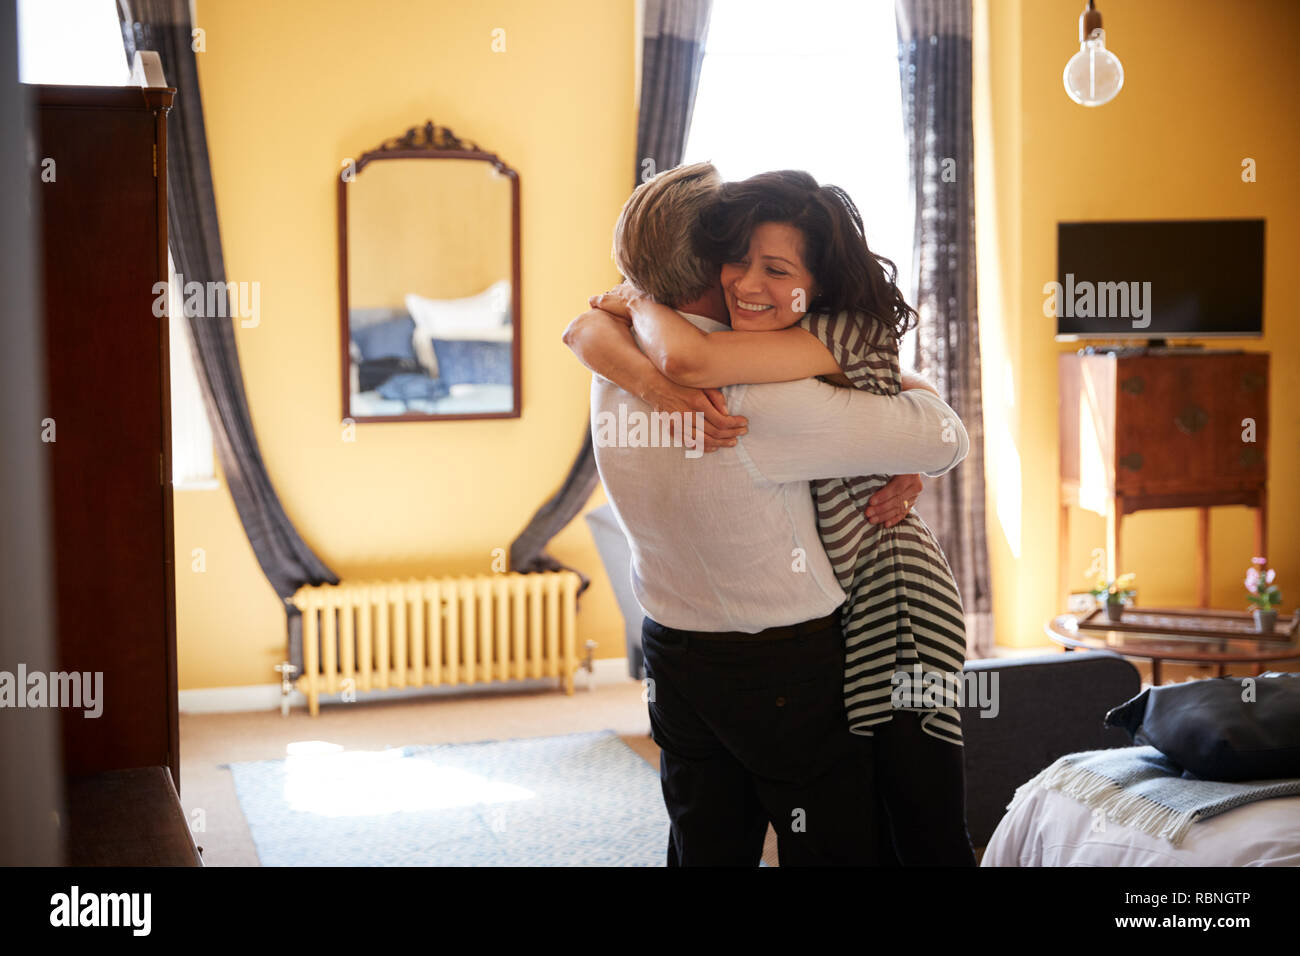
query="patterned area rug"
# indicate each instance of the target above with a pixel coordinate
(577, 800)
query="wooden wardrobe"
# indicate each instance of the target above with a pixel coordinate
(101, 192)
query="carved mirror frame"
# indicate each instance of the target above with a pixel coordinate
(427, 142)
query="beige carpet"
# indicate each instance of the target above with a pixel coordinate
(209, 740)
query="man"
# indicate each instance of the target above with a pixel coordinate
(743, 648)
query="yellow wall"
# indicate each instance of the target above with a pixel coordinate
(289, 90)
(1206, 85)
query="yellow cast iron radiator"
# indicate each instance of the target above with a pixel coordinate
(382, 635)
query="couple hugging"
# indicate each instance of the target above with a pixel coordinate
(790, 593)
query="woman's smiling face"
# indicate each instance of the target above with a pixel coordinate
(771, 287)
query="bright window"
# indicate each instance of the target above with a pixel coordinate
(79, 42)
(72, 42)
(192, 467)
(813, 86)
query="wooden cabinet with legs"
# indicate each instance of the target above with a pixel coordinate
(1162, 428)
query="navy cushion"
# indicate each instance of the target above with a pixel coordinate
(472, 362)
(1206, 727)
(391, 339)
(375, 372)
(409, 387)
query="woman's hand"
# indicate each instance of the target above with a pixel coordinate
(617, 301)
(894, 500)
(720, 429)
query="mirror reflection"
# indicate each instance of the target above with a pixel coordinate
(430, 304)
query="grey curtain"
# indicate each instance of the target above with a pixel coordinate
(672, 54)
(288, 563)
(934, 62)
(527, 553)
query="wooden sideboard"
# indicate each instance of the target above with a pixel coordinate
(1162, 428)
(128, 818)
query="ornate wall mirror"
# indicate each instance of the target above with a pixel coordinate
(429, 281)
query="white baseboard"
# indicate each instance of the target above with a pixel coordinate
(228, 700)
(256, 697)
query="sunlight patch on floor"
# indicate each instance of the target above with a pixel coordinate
(372, 783)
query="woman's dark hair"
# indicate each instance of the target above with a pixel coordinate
(850, 277)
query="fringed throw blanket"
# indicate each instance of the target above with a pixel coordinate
(1139, 787)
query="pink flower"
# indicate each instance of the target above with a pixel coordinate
(1260, 561)
(1268, 578)
(1252, 580)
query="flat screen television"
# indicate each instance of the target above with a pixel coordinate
(1158, 279)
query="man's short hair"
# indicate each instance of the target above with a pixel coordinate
(652, 239)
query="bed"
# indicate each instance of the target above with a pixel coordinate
(1051, 829)
(433, 357)
(1210, 776)
(1053, 705)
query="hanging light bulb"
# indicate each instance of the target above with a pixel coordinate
(1094, 75)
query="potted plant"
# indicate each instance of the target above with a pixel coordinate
(1113, 595)
(1262, 594)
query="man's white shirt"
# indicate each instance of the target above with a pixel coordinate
(728, 541)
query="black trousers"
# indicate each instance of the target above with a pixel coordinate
(752, 729)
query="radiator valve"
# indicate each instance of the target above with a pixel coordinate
(286, 672)
(588, 663)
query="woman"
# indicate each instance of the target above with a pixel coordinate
(807, 297)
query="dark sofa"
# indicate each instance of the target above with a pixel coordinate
(1048, 706)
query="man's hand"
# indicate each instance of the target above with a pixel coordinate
(720, 429)
(894, 500)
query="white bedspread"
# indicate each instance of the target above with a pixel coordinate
(1050, 829)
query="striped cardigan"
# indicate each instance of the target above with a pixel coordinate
(904, 628)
